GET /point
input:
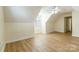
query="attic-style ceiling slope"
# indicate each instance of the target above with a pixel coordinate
(48, 11)
(65, 9)
(62, 10)
(21, 13)
(28, 13)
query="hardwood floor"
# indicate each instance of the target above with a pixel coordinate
(53, 42)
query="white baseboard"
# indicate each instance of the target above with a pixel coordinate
(75, 35)
(9, 41)
(50, 31)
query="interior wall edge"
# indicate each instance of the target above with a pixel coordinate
(3, 47)
(25, 38)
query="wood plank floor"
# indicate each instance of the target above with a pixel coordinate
(53, 42)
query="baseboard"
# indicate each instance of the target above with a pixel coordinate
(75, 36)
(50, 32)
(10, 41)
(54, 32)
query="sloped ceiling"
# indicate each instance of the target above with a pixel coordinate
(21, 13)
(65, 9)
(26, 13)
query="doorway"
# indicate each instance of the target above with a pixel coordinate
(68, 24)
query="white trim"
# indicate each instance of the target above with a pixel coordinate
(19, 39)
(75, 35)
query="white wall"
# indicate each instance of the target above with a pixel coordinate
(19, 22)
(18, 31)
(75, 21)
(49, 25)
(59, 23)
(21, 14)
(2, 43)
(56, 23)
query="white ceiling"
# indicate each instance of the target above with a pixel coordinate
(26, 13)
(65, 9)
(21, 13)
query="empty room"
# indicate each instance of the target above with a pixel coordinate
(39, 29)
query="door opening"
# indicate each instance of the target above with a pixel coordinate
(68, 24)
